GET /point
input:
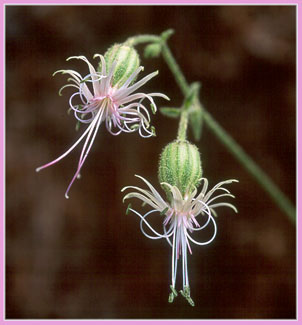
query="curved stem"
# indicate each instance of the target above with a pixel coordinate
(135, 40)
(237, 151)
(263, 179)
(175, 69)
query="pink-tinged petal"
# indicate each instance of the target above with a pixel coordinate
(68, 85)
(137, 96)
(107, 81)
(129, 80)
(204, 189)
(177, 196)
(146, 195)
(102, 85)
(74, 74)
(103, 63)
(221, 195)
(154, 192)
(218, 186)
(125, 92)
(224, 204)
(91, 70)
(86, 92)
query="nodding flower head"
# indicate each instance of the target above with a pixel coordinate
(108, 96)
(183, 215)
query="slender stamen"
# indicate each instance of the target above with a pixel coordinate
(183, 246)
(68, 151)
(174, 263)
(165, 232)
(207, 242)
(158, 235)
(98, 120)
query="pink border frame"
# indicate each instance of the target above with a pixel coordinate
(2, 149)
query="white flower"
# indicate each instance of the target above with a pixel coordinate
(118, 107)
(180, 221)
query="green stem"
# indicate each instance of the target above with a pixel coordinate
(263, 179)
(183, 125)
(174, 67)
(135, 40)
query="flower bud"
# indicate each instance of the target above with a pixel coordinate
(180, 166)
(152, 50)
(127, 61)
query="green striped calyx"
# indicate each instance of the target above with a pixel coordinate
(127, 61)
(180, 166)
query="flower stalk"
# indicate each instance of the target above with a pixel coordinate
(280, 199)
(183, 126)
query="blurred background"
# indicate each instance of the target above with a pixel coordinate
(83, 257)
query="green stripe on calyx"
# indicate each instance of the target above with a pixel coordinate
(180, 166)
(127, 61)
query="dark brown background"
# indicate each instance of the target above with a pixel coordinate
(83, 257)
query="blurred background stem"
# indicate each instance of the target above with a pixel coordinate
(281, 200)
